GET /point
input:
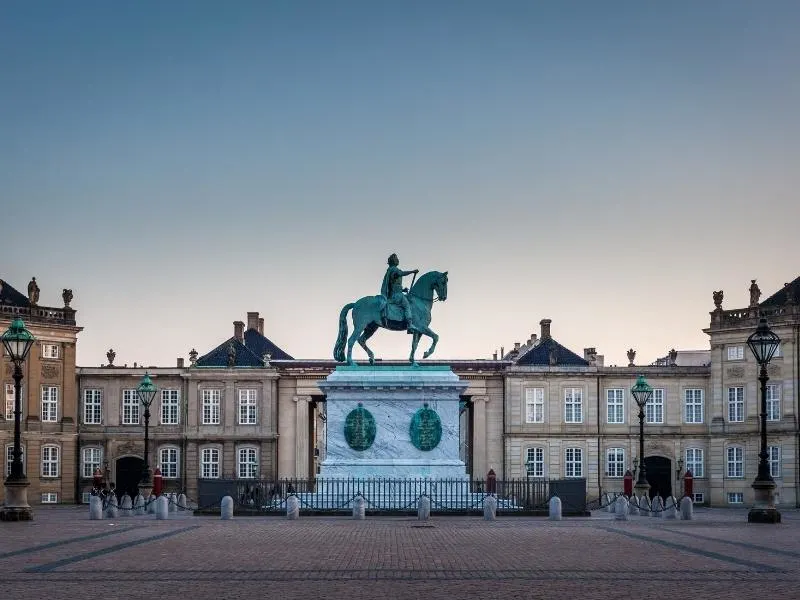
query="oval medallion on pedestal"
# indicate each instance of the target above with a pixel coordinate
(359, 428)
(425, 429)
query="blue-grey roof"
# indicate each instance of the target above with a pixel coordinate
(10, 296)
(248, 354)
(539, 355)
(261, 345)
(780, 298)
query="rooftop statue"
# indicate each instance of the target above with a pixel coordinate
(396, 308)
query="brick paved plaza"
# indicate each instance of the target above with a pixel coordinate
(64, 555)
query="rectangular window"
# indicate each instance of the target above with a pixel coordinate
(735, 456)
(10, 397)
(615, 462)
(168, 458)
(773, 403)
(693, 402)
(49, 461)
(615, 406)
(49, 498)
(170, 407)
(49, 403)
(85, 496)
(248, 463)
(211, 399)
(698, 497)
(534, 405)
(654, 410)
(534, 462)
(10, 459)
(90, 460)
(92, 407)
(50, 350)
(209, 463)
(247, 407)
(736, 404)
(573, 405)
(735, 498)
(735, 352)
(130, 407)
(694, 462)
(774, 460)
(573, 462)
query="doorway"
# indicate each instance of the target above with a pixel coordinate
(659, 476)
(129, 474)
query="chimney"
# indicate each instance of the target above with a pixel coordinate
(516, 346)
(534, 339)
(502, 353)
(590, 355)
(180, 363)
(545, 323)
(494, 356)
(252, 320)
(261, 326)
(238, 330)
(599, 360)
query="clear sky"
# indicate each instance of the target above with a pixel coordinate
(603, 164)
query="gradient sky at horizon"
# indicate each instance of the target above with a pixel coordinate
(605, 165)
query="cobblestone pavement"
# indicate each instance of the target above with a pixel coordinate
(64, 555)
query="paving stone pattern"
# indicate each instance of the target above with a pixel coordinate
(65, 555)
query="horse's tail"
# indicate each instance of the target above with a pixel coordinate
(341, 341)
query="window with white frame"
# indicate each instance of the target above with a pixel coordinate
(698, 497)
(534, 462)
(49, 498)
(695, 462)
(573, 405)
(534, 405)
(130, 407)
(211, 400)
(168, 459)
(573, 462)
(736, 404)
(10, 397)
(615, 462)
(50, 351)
(248, 409)
(774, 402)
(170, 407)
(85, 497)
(247, 463)
(90, 460)
(735, 352)
(49, 461)
(615, 406)
(693, 403)
(735, 456)
(774, 460)
(10, 458)
(49, 403)
(735, 498)
(92, 407)
(654, 409)
(209, 463)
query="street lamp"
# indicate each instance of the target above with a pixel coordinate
(146, 392)
(642, 392)
(18, 342)
(763, 342)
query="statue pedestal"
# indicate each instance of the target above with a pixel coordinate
(16, 506)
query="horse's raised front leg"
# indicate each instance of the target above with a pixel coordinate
(415, 340)
(362, 340)
(429, 332)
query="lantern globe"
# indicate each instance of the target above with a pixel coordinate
(641, 391)
(146, 390)
(763, 342)
(17, 341)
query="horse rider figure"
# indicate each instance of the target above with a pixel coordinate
(392, 289)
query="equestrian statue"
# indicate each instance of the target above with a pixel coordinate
(396, 308)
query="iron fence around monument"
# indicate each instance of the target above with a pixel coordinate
(528, 496)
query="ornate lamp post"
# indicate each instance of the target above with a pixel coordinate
(642, 392)
(146, 392)
(763, 343)
(18, 342)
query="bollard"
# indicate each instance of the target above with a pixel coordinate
(172, 502)
(671, 509)
(182, 502)
(490, 508)
(162, 508)
(609, 504)
(151, 504)
(127, 506)
(95, 508)
(687, 509)
(138, 505)
(424, 508)
(644, 505)
(111, 506)
(359, 508)
(555, 508)
(621, 509)
(658, 506)
(292, 508)
(633, 506)
(226, 508)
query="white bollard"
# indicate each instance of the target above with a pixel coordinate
(633, 506)
(359, 508)
(671, 509)
(127, 506)
(95, 508)
(172, 502)
(111, 506)
(644, 505)
(658, 507)
(182, 502)
(621, 509)
(687, 509)
(490, 508)
(424, 508)
(138, 505)
(292, 508)
(151, 504)
(609, 504)
(555, 508)
(162, 508)
(226, 508)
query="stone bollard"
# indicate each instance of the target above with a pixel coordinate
(111, 507)
(127, 506)
(671, 509)
(633, 506)
(555, 508)
(359, 508)
(95, 508)
(151, 504)
(609, 504)
(424, 508)
(138, 505)
(644, 505)
(687, 509)
(182, 502)
(172, 502)
(162, 508)
(621, 509)
(490, 508)
(226, 508)
(292, 508)
(658, 507)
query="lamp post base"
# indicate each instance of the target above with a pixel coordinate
(764, 510)
(16, 506)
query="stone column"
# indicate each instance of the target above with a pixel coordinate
(301, 437)
(479, 463)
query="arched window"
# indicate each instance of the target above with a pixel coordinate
(10, 459)
(247, 462)
(209, 463)
(50, 461)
